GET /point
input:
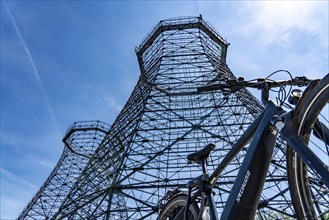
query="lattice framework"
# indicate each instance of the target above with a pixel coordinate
(123, 171)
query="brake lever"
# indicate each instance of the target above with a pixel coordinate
(301, 81)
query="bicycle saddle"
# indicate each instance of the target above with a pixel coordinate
(200, 155)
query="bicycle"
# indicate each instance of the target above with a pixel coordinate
(295, 127)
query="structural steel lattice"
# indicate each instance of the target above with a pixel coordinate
(124, 170)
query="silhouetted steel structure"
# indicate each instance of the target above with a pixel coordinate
(124, 170)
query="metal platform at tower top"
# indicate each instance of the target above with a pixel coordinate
(123, 171)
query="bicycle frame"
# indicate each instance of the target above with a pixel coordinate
(244, 196)
(251, 176)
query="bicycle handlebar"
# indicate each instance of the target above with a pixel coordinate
(260, 83)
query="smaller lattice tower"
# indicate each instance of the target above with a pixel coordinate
(124, 170)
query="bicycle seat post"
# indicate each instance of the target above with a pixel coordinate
(204, 166)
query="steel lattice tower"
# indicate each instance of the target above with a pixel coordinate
(124, 170)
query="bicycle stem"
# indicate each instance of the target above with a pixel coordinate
(265, 94)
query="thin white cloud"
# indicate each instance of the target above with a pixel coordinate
(111, 103)
(271, 35)
(45, 163)
(34, 70)
(274, 21)
(15, 193)
(5, 174)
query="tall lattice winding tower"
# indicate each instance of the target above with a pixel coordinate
(122, 171)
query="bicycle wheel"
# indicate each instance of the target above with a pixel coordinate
(175, 208)
(310, 197)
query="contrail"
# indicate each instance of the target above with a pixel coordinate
(16, 179)
(35, 70)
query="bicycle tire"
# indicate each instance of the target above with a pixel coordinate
(173, 207)
(309, 196)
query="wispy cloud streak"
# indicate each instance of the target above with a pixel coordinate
(5, 174)
(35, 70)
(15, 193)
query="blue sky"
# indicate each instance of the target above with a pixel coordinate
(66, 61)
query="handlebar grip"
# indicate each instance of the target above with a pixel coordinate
(211, 87)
